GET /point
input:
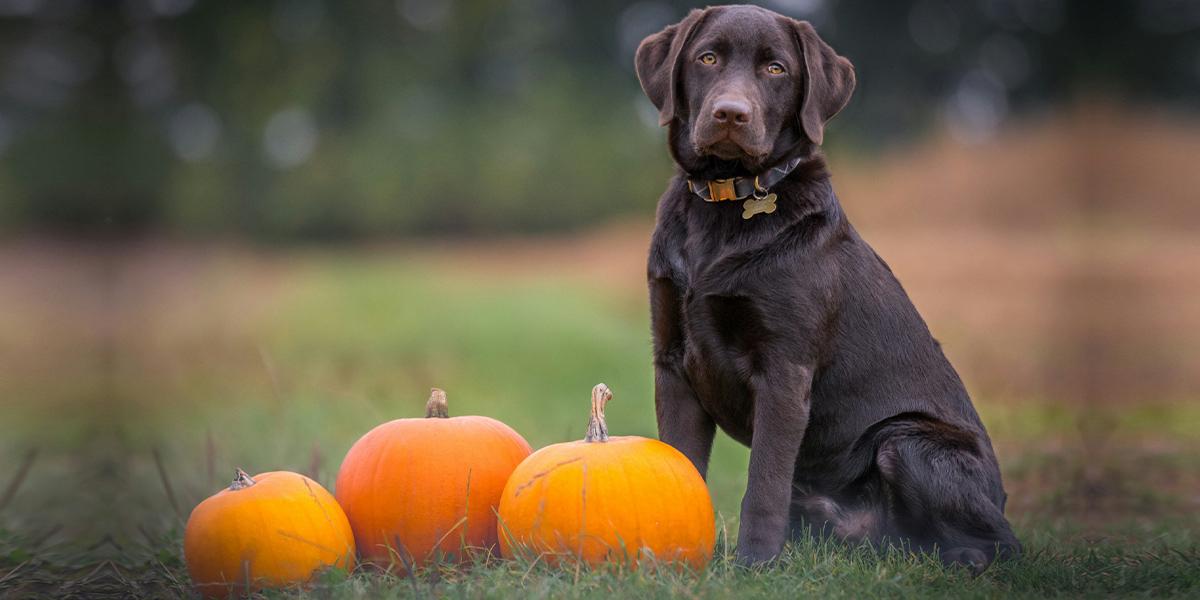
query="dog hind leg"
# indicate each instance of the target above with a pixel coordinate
(950, 498)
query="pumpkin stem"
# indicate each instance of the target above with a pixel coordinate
(597, 430)
(436, 407)
(241, 480)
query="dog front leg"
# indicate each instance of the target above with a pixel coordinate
(781, 407)
(682, 422)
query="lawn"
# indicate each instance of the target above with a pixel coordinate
(193, 361)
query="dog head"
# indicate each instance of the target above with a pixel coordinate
(741, 87)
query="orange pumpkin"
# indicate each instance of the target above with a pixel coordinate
(272, 530)
(608, 499)
(417, 488)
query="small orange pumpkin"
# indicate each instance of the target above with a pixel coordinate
(413, 488)
(608, 499)
(271, 530)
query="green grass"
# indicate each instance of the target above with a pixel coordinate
(347, 342)
(1162, 566)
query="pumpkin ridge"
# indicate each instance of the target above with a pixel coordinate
(581, 535)
(354, 503)
(632, 492)
(256, 505)
(667, 505)
(674, 471)
(375, 515)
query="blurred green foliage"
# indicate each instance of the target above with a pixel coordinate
(309, 118)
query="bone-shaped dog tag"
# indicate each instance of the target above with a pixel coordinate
(755, 206)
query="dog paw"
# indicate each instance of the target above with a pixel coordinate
(755, 558)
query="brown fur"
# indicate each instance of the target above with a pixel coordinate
(787, 330)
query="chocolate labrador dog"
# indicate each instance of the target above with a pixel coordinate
(773, 319)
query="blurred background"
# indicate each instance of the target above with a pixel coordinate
(242, 234)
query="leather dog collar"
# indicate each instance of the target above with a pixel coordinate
(738, 188)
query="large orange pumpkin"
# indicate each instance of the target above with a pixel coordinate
(414, 489)
(271, 530)
(608, 499)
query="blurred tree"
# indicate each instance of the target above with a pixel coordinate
(309, 118)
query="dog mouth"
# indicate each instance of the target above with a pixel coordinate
(729, 150)
(726, 147)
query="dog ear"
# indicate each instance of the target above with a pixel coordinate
(829, 81)
(658, 65)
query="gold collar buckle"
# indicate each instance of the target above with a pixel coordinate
(721, 189)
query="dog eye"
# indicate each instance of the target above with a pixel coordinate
(775, 68)
(708, 58)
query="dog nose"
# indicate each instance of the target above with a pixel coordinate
(736, 112)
